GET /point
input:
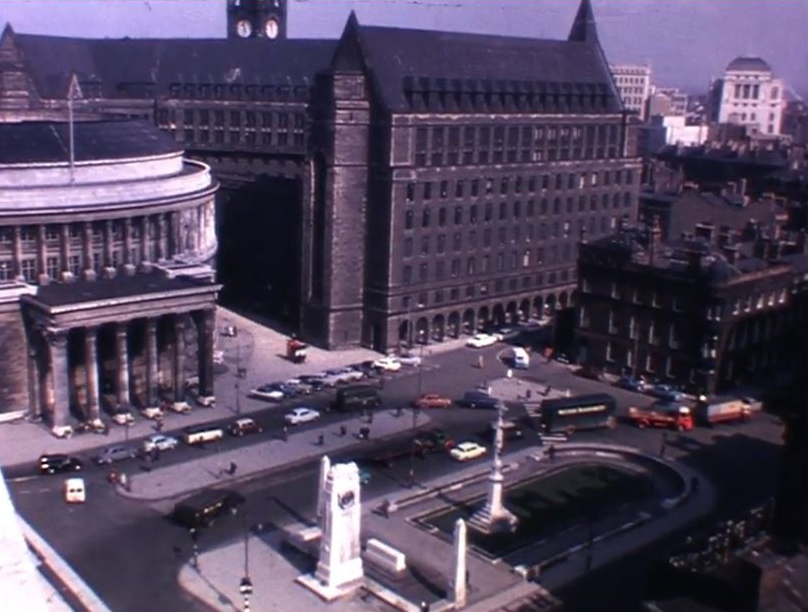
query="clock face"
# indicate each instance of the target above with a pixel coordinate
(243, 28)
(271, 28)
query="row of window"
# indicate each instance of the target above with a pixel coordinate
(440, 243)
(507, 185)
(484, 264)
(235, 126)
(514, 212)
(237, 91)
(74, 265)
(471, 145)
(500, 285)
(652, 334)
(53, 233)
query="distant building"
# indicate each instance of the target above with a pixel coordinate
(667, 101)
(795, 121)
(634, 83)
(750, 96)
(705, 311)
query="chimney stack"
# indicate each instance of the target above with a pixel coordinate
(731, 254)
(705, 230)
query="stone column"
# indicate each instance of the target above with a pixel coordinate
(175, 247)
(57, 344)
(128, 263)
(325, 467)
(145, 242)
(18, 252)
(67, 275)
(34, 389)
(109, 266)
(206, 322)
(122, 356)
(87, 251)
(151, 363)
(41, 256)
(459, 581)
(91, 366)
(162, 238)
(179, 358)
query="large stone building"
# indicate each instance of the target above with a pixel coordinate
(106, 295)
(749, 96)
(708, 310)
(390, 184)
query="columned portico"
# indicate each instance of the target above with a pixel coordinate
(91, 364)
(58, 378)
(87, 251)
(151, 362)
(122, 359)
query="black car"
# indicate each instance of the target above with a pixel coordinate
(202, 509)
(478, 399)
(511, 431)
(59, 463)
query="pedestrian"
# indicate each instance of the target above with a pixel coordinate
(342, 431)
(551, 453)
(231, 469)
(480, 361)
(321, 440)
(159, 425)
(285, 433)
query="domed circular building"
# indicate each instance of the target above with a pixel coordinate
(107, 236)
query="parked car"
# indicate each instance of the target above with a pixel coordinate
(589, 372)
(160, 442)
(123, 417)
(113, 454)
(301, 415)
(299, 387)
(432, 400)
(388, 364)
(631, 383)
(433, 441)
(242, 426)
(58, 463)
(506, 333)
(314, 381)
(466, 451)
(152, 412)
(408, 359)
(666, 392)
(230, 331)
(367, 368)
(481, 341)
(270, 392)
(348, 375)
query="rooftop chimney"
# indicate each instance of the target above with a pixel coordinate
(731, 254)
(705, 230)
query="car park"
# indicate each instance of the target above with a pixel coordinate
(58, 463)
(388, 364)
(466, 451)
(409, 359)
(481, 341)
(432, 400)
(242, 426)
(160, 442)
(630, 383)
(270, 392)
(666, 392)
(301, 415)
(112, 454)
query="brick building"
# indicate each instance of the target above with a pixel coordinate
(389, 184)
(707, 310)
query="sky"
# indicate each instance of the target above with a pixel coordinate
(686, 42)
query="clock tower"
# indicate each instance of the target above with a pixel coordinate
(256, 19)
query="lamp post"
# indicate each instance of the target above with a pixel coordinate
(195, 546)
(415, 411)
(246, 587)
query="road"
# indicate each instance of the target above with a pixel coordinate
(130, 553)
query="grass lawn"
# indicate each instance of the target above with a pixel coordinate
(546, 506)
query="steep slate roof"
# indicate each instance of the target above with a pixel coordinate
(748, 64)
(51, 59)
(48, 142)
(395, 53)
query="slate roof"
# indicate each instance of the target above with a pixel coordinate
(48, 141)
(748, 64)
(62, 294)
(479, 61)
(51, 59)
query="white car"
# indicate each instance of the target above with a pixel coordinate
(159, 442)
(268, 392)
(466, 451)
(301, 415)
(481, 341)
(409, 360)
(388, 364)
(152, 412)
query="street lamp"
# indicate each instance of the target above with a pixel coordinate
(195, 545)
(415, 411)
(245, 587)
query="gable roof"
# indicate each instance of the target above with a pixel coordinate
(162, 62)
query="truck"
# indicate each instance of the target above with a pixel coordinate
(296, 350)
(568, 414)
(716, 410)
(662, 414)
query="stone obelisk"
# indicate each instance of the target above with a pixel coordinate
(459, 582)
(325, 467)
(494, 517)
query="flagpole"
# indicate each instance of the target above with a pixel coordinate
(70, 134)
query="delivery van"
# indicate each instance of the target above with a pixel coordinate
(520, 358)
(75, 492)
